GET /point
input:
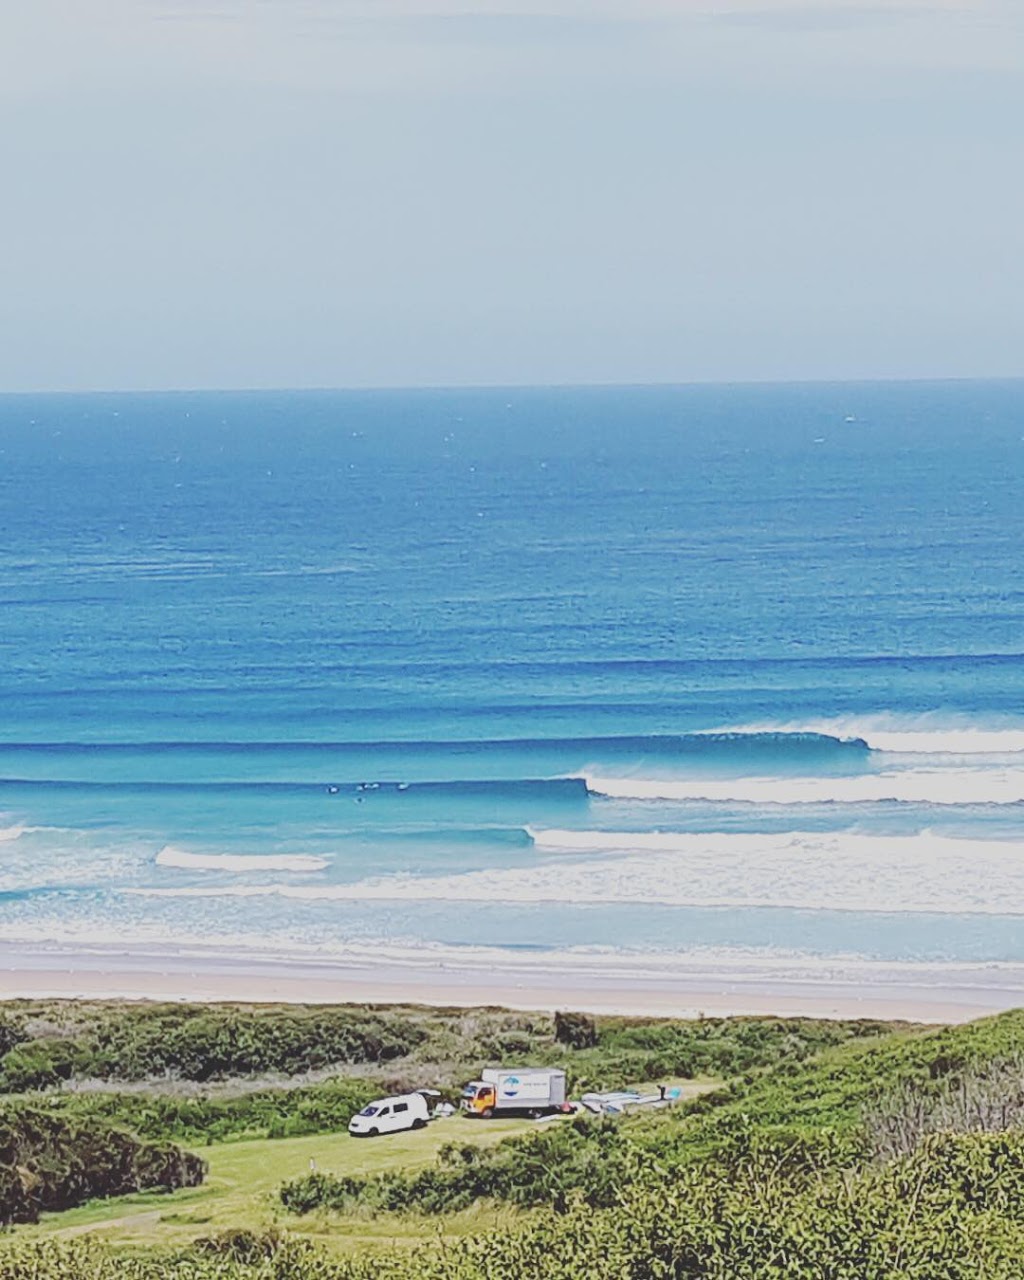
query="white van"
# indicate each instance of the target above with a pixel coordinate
(390, 1115)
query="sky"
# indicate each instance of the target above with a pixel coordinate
(303, 193)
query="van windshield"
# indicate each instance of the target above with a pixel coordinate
(369, 1111)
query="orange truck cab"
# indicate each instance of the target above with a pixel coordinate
(479, 1099)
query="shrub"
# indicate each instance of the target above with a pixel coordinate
(577, 1030)
(49, 1161)
(265, 1113)
(202, 1043)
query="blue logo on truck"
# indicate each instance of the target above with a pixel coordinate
(510, 1086)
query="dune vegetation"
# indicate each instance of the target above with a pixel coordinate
(828, 1149)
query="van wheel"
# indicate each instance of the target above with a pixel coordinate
(419, 1124)
(373, 1133)
(487, 1113)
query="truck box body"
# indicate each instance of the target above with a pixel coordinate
(527, 1088)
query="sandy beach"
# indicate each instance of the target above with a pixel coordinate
(952, 996)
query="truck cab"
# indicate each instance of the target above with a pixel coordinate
(479, 1099)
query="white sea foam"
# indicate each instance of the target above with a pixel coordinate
(181, 858)
(938, 786)
(551, 840)
(926, 734)
(12, 833)
(805, 871)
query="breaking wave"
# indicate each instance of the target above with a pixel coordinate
(803, 871)
(182, 859)
(936, 786)
(557, 841)
(927, 734)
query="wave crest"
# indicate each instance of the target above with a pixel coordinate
(169, 856)
(926, 734)
(812, 871)
(935, 786)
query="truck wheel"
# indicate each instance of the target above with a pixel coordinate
(419, 1124)
(487, 1113)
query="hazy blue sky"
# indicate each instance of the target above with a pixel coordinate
(328, 192)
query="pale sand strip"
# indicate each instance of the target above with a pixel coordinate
(178, 977)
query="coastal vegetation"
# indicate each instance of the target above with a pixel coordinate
(834, 1111)
(49, 1043)
(829, 1149)
(46, 1044)
(51, 1161)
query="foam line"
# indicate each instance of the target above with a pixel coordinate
(238, 862)
(928, 734)
(802, 871)
(935, 786)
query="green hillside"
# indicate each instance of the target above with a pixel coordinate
(846, 1151)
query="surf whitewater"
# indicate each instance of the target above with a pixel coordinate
(722, 675)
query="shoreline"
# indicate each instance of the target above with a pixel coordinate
(210, 976)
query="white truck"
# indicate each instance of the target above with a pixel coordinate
(500, 1091)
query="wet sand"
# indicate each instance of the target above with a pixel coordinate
(209, 976)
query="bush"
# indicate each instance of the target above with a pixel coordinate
(248, 1247)
(980, 1097)
(12, 1032)
(49, 1161)
(577, 1030)
(200, 1043)
(261, 1113)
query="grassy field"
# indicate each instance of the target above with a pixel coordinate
(240, 1190)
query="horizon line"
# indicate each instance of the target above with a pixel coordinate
(326, 388)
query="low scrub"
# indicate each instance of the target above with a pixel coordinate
(822, 1103)
(978, 1097)
(954, 1208)
(196, 1042)
(50, 1161)
(264, 1113)
(44, 1044)
(543, 1167)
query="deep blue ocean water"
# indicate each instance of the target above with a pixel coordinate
(652, 675)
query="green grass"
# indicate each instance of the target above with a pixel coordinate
(240, 1190)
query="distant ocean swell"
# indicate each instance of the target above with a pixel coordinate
(664, 669)
(512, 787)
(719, 744)
(977, 785)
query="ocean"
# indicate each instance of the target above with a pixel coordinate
(723, 679)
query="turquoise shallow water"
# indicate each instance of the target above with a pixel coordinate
(706, 672)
